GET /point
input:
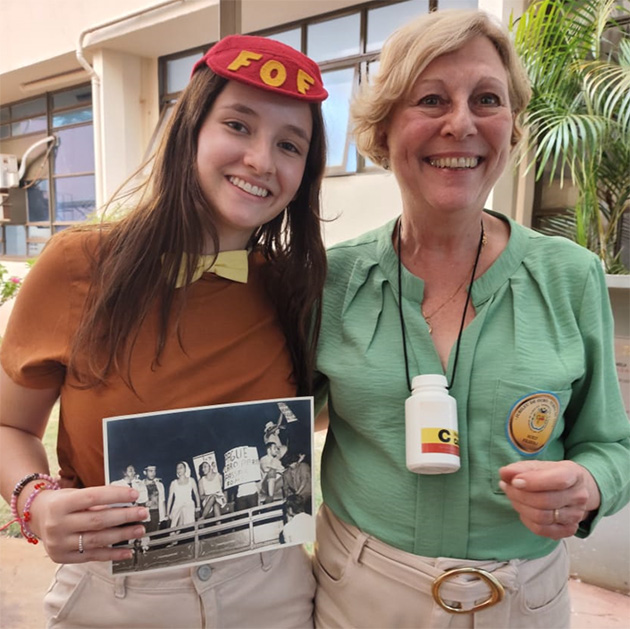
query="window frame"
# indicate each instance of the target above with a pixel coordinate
(34, 243)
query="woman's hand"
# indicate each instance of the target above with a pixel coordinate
(67, 520)
(551, 497)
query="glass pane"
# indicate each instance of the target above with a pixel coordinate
(29, 108)
(79, 96)
(457, 4)
(334, 38)
(5, 131)
(74, 198)
(36, 231)
(38, 202)
(178, 72)
(31, 125)
(351, 162)
(383, 21)
(291, 38)
(15, 240)
(339, 84)
(372, 68)
(75, 151)
(72, 117)
(35, 248)
(5, 114)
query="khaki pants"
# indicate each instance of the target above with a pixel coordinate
(363, 582)
(271, 589)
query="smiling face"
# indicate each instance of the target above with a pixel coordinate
(449, 141)
(251, 154)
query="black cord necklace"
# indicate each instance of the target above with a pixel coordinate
(400, 310)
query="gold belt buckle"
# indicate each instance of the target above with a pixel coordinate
(497, 592)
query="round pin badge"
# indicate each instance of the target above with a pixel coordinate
(531, 421)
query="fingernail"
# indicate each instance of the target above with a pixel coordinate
(502, 485)
(134, 494)
(139, 531)
(143, 513)
(519, 483)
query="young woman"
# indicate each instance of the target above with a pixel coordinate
(183, 497)
(147, 314)
(211, 490)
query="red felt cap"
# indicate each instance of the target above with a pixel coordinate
(267, 64)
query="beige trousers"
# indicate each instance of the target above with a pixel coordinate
(362, 582)
(271, 589)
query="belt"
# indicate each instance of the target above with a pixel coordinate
(497, 591)
(458, 586)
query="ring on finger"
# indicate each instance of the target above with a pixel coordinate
(81, 549)
(556, 516)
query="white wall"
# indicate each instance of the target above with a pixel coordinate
(356, 204)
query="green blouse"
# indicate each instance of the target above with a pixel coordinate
(541, 342)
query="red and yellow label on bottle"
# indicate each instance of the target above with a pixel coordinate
(440, 441)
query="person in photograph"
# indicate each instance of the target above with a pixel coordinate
(297, 478)
(519, 325)
(300, 526)
(204, 292)
(131, 479)
(183, 497)
(210, 490)
(156, 499)
(271, 469)
(272, 435)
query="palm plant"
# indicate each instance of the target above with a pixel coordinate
(578, 59)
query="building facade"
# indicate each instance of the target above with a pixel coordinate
(83, 103)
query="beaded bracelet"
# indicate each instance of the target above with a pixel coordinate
(17, 490)
(48, 482)
(31, 538)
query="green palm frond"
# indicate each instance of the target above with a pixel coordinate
(578, 61)
(563, 139)
(607, 87)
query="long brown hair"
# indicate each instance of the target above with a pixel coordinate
(131, 273)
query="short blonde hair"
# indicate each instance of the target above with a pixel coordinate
(405, 55)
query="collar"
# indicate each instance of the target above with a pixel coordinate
(231, 265)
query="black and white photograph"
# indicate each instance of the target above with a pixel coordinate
(218, 481)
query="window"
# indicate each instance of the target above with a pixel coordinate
(58, 187)
(23, 118)
(345, 44)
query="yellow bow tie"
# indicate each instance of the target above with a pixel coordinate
(231, 265)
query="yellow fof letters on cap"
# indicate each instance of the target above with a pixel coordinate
(244, 58)
(273, 72)
(267, 73)
(304, 81)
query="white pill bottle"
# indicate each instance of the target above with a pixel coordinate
(432, 438)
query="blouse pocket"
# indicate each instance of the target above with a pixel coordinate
(527, 423)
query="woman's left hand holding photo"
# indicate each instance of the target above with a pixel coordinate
(60, 517)
(69, 521)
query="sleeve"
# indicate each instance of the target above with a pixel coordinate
(598, 436)
(34, 348)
